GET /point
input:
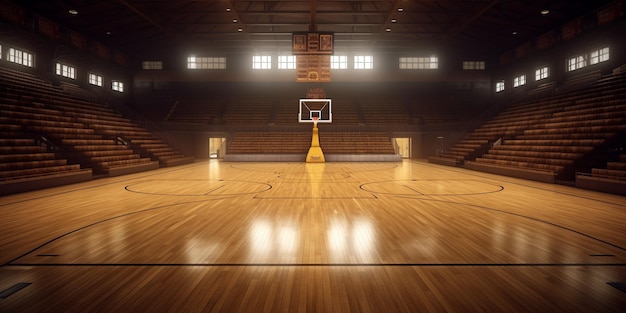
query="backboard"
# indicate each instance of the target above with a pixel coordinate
(320, 108)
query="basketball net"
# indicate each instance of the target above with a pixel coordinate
(315, 122)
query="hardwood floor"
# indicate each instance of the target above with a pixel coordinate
(294, 237)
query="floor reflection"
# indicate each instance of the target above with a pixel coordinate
(351, 241)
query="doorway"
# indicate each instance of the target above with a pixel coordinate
(402, 147)
(217, 147)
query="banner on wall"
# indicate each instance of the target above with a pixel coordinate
(506, 57)
(12, 13)
(120, 58)
(48, 27)
(610, 13)
(103, 51)
(572, 29)
(546, 40)
(77, 40)
(523, 49)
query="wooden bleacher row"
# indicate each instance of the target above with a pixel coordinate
(611, 179)
(553, 134)
(21, 157)
(25, 165)
(299, 143)
(346, 111)
(94, 115)
(84, 133)
(507, 124)
(263, 111)
(356, 143)
(270, 143)
(190, 110)
(68, 135)
(384, 111)
(248, 111)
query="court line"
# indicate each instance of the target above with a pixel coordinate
(373, 197)
(268, 187)
(104, 221)
(278, 172)
(474, 173)
(363, 187)
(169, 170)
(317, 264)
(408, 187)
(522, 216)
(220, 187)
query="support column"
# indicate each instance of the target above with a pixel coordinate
(315, 155)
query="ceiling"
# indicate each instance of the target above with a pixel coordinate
(145, 28)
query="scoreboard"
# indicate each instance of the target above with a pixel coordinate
(313, 51)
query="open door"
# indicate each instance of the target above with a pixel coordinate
(217, 147)
(403, 147)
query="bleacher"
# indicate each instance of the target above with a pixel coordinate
(356, 143)
(86, 138)
(26, 165)
(346, 112)
(387, 110)
(270, 143)
(247, 111)
(257, 108)
(195, 110)
(294, 145)
(609, 178)
(547, 139)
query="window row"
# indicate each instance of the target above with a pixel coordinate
(339, 62)
(573, 63)
(594, 57)
(19, 57)
(25, 58)
(69, 71)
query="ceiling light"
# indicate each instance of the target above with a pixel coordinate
(545, 12)
(240, 29)
(400, 9)
(388, 29)
(73, 12)
(393, 20)
(227, 9)
(235, 20)
(514, 33)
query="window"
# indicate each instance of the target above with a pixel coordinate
(473, 65)
(286, 62)
(576, 62)
(117, 86)
(500, 86)
(66, 71)
(519, 81)
(541, 73)
(419, 63)
(206, 63)
(262, 62)
(338, 62)
(20, 57)
(598, 56)
(152, 65)
(95, 79)
(363, 62)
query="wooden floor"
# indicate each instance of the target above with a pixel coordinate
(293, 237)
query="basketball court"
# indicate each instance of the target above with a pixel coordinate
(404, 236)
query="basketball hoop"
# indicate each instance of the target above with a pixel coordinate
(315, 121)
